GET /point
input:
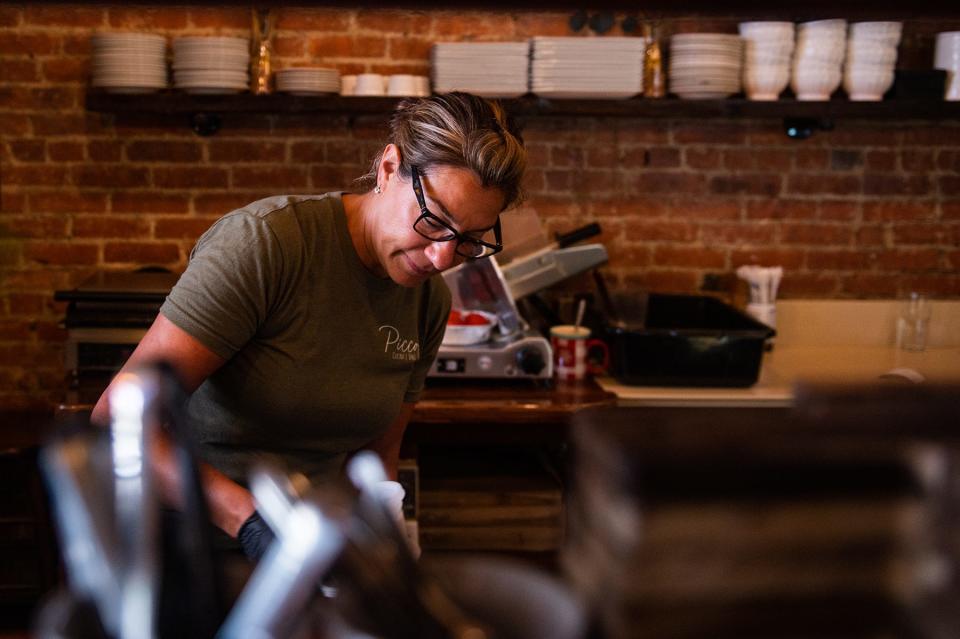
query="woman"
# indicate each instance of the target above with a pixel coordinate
(304, 326)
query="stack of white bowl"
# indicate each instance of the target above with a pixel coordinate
(705, 66)
(818, 59)
(947, 57)
(604, 68)
(489, 69)
(129, 62)
(211, 64)
(871, 58)
(768, 51)
(308, 80)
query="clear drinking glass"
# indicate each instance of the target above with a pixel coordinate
(913, 323)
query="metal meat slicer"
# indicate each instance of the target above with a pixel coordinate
(528, 265)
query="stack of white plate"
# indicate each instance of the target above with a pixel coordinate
(308, 80)
(129, 62)
(818, 60)
(871, 58)
(705, 66)
(488, 69)
(211, 64)
(768, 50)
(606, 68)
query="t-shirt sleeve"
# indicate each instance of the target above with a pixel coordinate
(224, 296)
(438, 304)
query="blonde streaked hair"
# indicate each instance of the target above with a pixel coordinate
(457, 130)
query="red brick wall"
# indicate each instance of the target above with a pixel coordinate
(869, 209)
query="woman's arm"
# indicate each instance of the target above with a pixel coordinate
(230, 503)
(388, 444)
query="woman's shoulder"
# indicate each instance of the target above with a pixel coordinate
(278, 206)
(285, 217)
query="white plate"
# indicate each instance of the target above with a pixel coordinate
(567, 94)
(210, 82)
(504, 94)
(212, 90)
(122, 90)
(319, 73)
(130, 87)
(305, 94)
(149, 41)
(706, 95)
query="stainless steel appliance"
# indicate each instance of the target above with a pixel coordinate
(493, 285)
(106, 317)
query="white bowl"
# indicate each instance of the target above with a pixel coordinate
(823, 26)
(877, 56)
(815, 84)
(811, 66)
(947, 52)
(763, 60)
(764, 31)
(823, 47)
(877, 30)
(369, 84)
(867, 84)
(813, 60)
(765, 83)
(464, 335)
(769, 48)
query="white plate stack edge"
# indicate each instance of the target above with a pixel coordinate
(211, 64)
(128, 62)
(587, 68)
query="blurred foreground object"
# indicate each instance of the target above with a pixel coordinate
(837, 518)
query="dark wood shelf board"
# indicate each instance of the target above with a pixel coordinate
(529, 106)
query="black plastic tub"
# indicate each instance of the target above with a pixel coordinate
(683, 340)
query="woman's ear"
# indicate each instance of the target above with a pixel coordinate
(389, 167)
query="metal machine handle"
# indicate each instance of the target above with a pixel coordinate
(578, 235)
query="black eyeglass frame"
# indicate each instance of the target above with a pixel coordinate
(454, 234)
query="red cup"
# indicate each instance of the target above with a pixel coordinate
(570, 347)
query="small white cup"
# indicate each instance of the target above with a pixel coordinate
(348, 84)
(402, 85)
(423, 85)
(369, 84)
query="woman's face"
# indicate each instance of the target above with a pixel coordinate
(451, 193)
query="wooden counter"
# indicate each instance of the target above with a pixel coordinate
(504, 411)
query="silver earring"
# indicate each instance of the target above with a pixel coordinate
(377, 189)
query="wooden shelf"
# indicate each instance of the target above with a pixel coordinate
(532, 106)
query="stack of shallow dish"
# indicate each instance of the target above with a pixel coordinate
(610, 68)
(129, 62)
(705, 66)
(488, 69)
(768, 50)
(308, 80)
(211, 64)
(818, 61)
(871, 58)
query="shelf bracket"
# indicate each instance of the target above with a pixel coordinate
(803, 128)
(205, 124)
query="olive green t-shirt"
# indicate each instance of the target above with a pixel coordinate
(320, 352)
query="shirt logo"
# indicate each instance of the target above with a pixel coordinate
(399, 348)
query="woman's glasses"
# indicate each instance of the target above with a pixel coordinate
(433, 228)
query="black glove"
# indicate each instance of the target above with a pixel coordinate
(255, 537)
